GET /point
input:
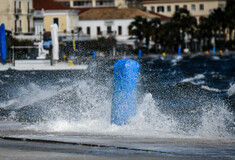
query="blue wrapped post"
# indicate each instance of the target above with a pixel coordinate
(3, 44)
(124, 103)
(140, 53)
(179, 50)
(213, 50)
(94, 54)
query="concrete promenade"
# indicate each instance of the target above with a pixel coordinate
(18, 143)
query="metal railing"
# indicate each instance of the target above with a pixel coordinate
(18, 11)
(30, 11)
(32, 30)
(19, 30)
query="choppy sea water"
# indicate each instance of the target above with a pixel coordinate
(192, 96)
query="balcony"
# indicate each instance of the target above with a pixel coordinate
(31, 11)
(18, 11)
(18, 30)
(32, 30)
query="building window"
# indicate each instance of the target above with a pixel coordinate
(153, 9)
(185, 6)
(109, 29)
(20, 4)
(221, 6)
(104, 2)
(15, 25)
(119, 30)
(160, 9)
(79, 29)
(88, 30)
(177, 8)
(168, 8)
(15, 6)
(98, 31)
(65, 3)
(28, 25)
(201, 7)
(193, 7)
(56, 21)
(28, 7)
(82, 3)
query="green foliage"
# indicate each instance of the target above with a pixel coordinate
(171, 34)
(144, 28)
(102, 44)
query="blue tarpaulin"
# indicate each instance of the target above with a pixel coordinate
(3, 44)
(124, 103)
(47, 44)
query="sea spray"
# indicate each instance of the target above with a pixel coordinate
(80, 102)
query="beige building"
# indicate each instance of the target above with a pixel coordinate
(99, 3)
(197, 8)
(53, 12)
(17, 15)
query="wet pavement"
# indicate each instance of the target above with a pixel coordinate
(17, 143)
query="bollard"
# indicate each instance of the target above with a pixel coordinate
(124, 103)
(74, 45)
(3, 44)
(55, 42)
(179, 51)
(213, 51)
(140, 53)
(94, 54)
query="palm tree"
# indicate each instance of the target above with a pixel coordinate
(167, 36)
(229, 17)
(184, 23)
(205, 31)
(143, 28)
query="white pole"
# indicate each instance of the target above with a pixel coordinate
(55, 43)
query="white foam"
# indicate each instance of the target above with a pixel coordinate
(192, 79)
(91, 108)
(214, 122)
(7, 104)
(176, 59)
(216, 58)
(231, 90)
(149, 121)
(1, 82)
(7, 76)
(210, 89)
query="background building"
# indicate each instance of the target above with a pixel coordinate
(17, 15)
(101, 3)
(197, 8)
(53, 12)
(98, 22)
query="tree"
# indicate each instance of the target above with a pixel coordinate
(184, 24)
(167, 36)
(143, 28)
(229, 17)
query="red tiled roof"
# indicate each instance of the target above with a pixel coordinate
(171, 1)
(114, 13)
(49, 5)
(160, 15)
(84, 9)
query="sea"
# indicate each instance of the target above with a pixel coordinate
(180, 97)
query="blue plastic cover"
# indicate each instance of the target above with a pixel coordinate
(47, 44)
(94, 54)
(3, 44)
(124, 103)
